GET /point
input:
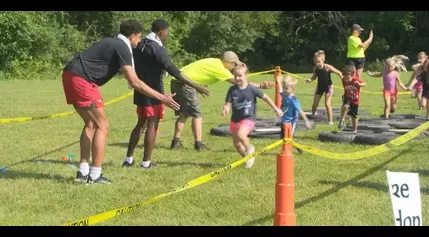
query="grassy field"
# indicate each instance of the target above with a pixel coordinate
(328, 192)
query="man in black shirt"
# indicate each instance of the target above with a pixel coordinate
(81, 78)
(151, 60)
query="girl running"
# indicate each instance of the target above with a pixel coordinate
(418, 87)
(424, 78)
(322, 71)
(242, 98)
(390, 80)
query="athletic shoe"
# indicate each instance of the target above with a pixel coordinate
(99, 180)
(341, 124)
(199, 146)
(126, 164)
(249, 163)
(176, 144)
(80, 178)
(330, 123)
(152, 165)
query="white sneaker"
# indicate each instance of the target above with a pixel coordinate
(249, 163)
(330, 123)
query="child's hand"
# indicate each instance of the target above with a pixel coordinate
(279, 112)
(308, 80)
(308, 124)
(224, 112)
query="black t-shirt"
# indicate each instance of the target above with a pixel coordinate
(151, 60)
(102, 61)
(243, 102)
(323, 77)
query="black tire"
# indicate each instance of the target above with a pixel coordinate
(338, 111)
(265, 135)
(405, 131)
(339, 137)
(376, 128)
(405, 124)
(402, 116)
(222, 131)
(375, 139)
(383, 121)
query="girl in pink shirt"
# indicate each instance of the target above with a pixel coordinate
(418, 87)
(391, 78)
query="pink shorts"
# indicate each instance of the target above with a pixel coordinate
(418, 86)
(234, 127)
(393, 93)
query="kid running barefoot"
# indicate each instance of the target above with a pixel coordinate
(242, 97)
(290, 104)
(390, 79)
(351, 97)
(322, 72)
(424, 78)
(418, 87)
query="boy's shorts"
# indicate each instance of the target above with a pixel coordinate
(353, 108)
(80, 92)
(151, 111)
(393, 93)
(234, 127)
(293, 129)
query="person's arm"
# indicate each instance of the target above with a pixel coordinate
(413, 76)
(140, 86)
(313, 77)
(228, 102)
(270, 102)
(360, 83)
(398, 80)
(264, 85)
(334, 70)
(297, 106)
(166, 63)
(364, 45)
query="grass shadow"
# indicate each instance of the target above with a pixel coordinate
(139, 146)
(338, 187)
(12, 174)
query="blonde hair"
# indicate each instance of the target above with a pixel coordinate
(422, 54)
(241, 66)
(419, 55)
(398, 62)
(319, 53)
(288, 81)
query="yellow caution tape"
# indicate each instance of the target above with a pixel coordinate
(92, 220)
(367, 153)
(363, 91)
(25, 119)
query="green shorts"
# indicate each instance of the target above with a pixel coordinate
(187, 98)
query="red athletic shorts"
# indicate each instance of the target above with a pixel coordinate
(151, 111)
(80, 92)
(393, 93)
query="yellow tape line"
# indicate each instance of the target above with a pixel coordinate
(363, 91)
(370, 152)
(25, 119)
(92, 220)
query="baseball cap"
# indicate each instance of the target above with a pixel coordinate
(230, 56)
(357, 27)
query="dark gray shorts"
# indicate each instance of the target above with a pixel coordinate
(187, 98)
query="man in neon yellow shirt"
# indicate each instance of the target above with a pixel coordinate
(356, 49)
(203, 72)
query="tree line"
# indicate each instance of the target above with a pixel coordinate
(38, 44)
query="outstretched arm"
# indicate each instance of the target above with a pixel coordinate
(270, 102)
(225, 109)
(264, 85)
(313, 77)
(398, 80)
(380, 74)
(334, 70)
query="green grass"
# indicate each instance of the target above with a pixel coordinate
(328, 192)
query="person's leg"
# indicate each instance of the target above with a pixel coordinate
(386, 95)
(177, 88)
(149, 142)
(233, 128)
(359, 64)
(420, 100)
(88, 103)
(135, 137)
(178, 129)
(354, 109)
(328, 105)
(344, 108)
(246, 126)
(316, 101)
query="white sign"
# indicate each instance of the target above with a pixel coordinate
(404, 191)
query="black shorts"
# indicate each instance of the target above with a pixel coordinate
(425, 93)
(353, 108)
(324, 89)
(358, 63)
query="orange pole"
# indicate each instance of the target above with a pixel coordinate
(285, 188)
(278, 98)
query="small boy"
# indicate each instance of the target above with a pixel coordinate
(351, 97)
(290, 104)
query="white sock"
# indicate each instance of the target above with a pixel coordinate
(129, 160)
(145, 163)
(95, 172)
(84, 168)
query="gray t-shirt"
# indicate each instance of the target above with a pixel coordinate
(243, 102)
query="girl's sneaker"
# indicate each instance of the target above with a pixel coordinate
(330, 123)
